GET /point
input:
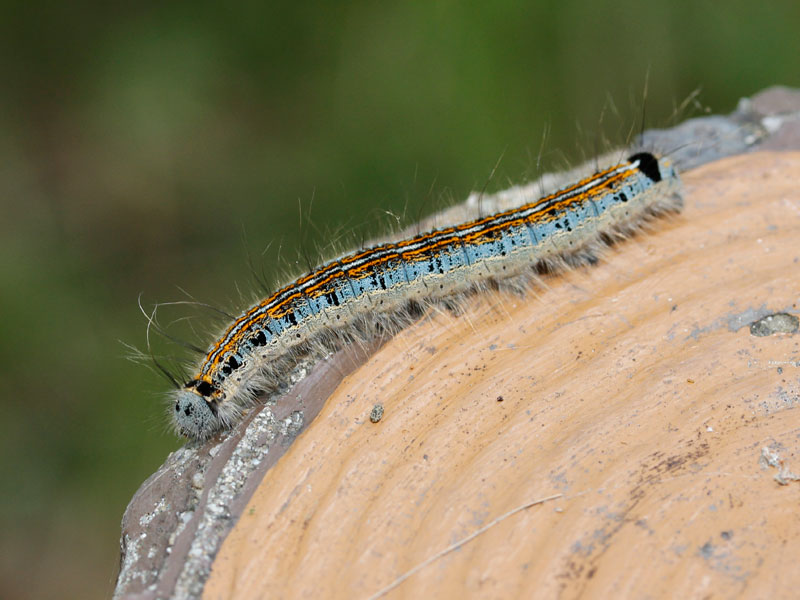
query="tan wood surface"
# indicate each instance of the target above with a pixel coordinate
(633, 388)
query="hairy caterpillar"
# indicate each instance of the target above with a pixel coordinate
(384, 287)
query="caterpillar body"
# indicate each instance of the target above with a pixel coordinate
(384, 287)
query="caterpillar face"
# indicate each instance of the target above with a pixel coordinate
(194, 415)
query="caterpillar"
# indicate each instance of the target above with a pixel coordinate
(387, 286)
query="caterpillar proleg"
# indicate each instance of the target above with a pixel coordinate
(364, 292)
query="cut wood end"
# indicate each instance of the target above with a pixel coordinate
(633, 388)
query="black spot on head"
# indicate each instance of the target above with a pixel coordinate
(188, 410)
(648, 164)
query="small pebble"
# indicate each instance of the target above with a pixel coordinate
(776, 323)
(376, 414)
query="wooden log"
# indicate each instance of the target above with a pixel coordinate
(641, 391)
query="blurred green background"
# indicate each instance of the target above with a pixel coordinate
(152, 147)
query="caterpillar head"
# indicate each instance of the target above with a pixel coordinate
(193, 414)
